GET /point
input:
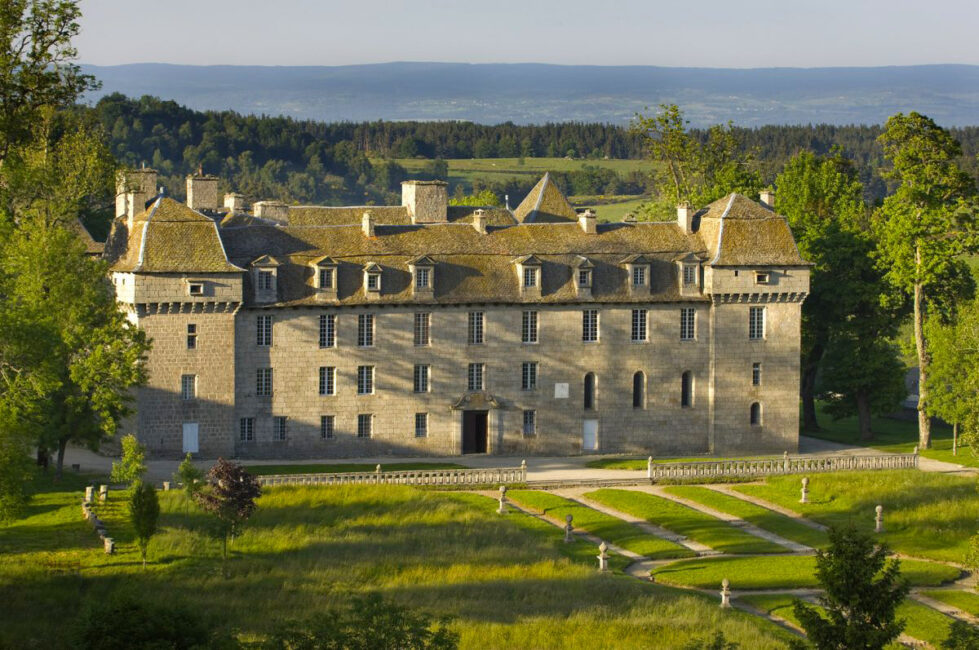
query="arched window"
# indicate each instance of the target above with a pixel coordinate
(755, 414)
(686, 389)
(590, 391)
(639, 390)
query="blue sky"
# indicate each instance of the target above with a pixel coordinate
(733, 33)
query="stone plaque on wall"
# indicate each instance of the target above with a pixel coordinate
(560, 391)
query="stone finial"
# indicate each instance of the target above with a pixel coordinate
(879, 519)
(603, 557)
(367, 223)
(725, 594)
(568, 530)
(479, 221)
(523, 468)
(502, 509)
(805, 490)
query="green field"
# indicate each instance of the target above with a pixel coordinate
(967, 601)
(685, 521)
(764, 518)
(779, 572)
(925, 515)
(508, 581)
(599, 524)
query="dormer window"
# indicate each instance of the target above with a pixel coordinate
(325, 279)
(372, 280)
(584, 278)
(762, 278)
(195, 288)
(689, 274)
(530, 277)
(637, 266)
(265, 270)
(422, 279)
(639, 276)
(265, 281)
(422, 271)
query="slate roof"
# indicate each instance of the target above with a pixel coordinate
(738, 231)
(92, 247)
(305, 215)
(545, 204)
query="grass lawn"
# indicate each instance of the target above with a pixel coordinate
(640, 463)
(762, 517)
(613, 211)
(324, 468)
(685, 521)
(599, 524)
(777, 604)
(892, 435)
(967, 601)
(507, 581)
(779, 572)
(925, 514)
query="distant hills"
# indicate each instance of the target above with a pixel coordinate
(537, 93)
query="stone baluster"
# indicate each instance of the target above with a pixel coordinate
(725, 594)
(805, 490)
(879, 519)
(377, 473)
(502, 509)
(103, 492)
(649, 468)
(603, 557)
(568, 530)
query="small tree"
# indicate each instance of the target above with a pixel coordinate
(229, 495)
(961, 636)
(132, 466)
(862, 592)
(190, 476)
(144, 512)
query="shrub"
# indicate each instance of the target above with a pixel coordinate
(144, 512)
(230, 496)
(123, 622)
(132, 466)
(189, 475)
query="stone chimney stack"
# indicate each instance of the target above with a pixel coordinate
(479, 221)
(273, 210)
(588, 221)
(767, 197)
(134, 188)
(427, 201)
(202, 192)
(367, 224)
(684, 217)
(234, 202)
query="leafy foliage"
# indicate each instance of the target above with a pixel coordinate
(132, 466)
(189, 475)
(230, 496)
(717, 642)
(123, 622)
(953, 382)
(369, 623)
(962, 636)
(862, 591)
(144, 512)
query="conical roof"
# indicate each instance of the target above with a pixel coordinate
(545, 204)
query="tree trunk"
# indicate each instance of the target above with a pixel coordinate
(955, 438)
(61, 458)
(863, 415)
(807, 388)
(924, 422)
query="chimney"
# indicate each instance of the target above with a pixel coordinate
(684, 217)
(202, 192)
(234, 202)
(479, 221)
(367, 224)
(427, 201)
(274, 210)
(134, 188)
(587, 222)
(767, 197)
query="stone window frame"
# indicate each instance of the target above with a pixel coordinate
(477, 328)
(589, 400)
(191, 336)
(263, 382)
(756, 373)
(326, 277)
(365, 380)
(327, 427)
(755, 414)
(195, 288)
(529, 423)
(584, 278)
(476, 376)
(531, 277)
(328, 381)
(639, 275)
(264, 280)
(530, 327)
(365, 425)
(423, 279)
(263, 330)
(640, 326)
(757, 318)
(365, 330)
(528, 375)
(688, 324)
(690, 275)
(763, 277)
(590, 324)
(328, 331)
(188, 387)
(687, 389)
(422, 378)
(639, 390)
(279, 428)
(423, 328)
(246, 429)
(421, 425)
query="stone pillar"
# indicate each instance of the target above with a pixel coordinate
(377, 474)
(523, 469)
(785, 461)
(110, 545)
(89, 493)
(879, 519)
(603, 557)
(103, 492)
(166, 486)
(649, 468)
(502, 509)
(805, 490)
(568, 530)
(725, 594)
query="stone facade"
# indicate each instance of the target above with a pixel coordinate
(677, 391)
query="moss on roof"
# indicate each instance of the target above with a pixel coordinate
(740, 232)
(308, 215)
(545, 204)
(92, 247)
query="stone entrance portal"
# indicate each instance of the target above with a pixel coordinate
(474, 431)
(479, 424)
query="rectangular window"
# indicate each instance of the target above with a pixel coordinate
(326, 278)
(530, 423)
(373, 281)
(421, 378)
(195, 289)
(639, 276)
(528, 329)
(476, 319)
(476, 376)
(639, 330)
(246, 429)
(265, 280)
(279, 428)
(263, 328)
(688, 323)
(365, 425)
(529, 277)
(423, 323)
(328, 376)
(263, 381)
(762, 278)
(188, 386)
(584, 278)
(365, 330)
(689, 274)
(756, 374)
(529, 376)
(365, 380)
(328, 330)
(422, 278)
(756, 323)
(421, 425)
(191, 336)
(326, 427)
(589, 325)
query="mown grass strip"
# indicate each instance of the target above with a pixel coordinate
(599, 524)
(344, 468)
(762, 517)
(967, 601)
(641, 463)
(784, 572)
(685, 521)
(923, 622)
